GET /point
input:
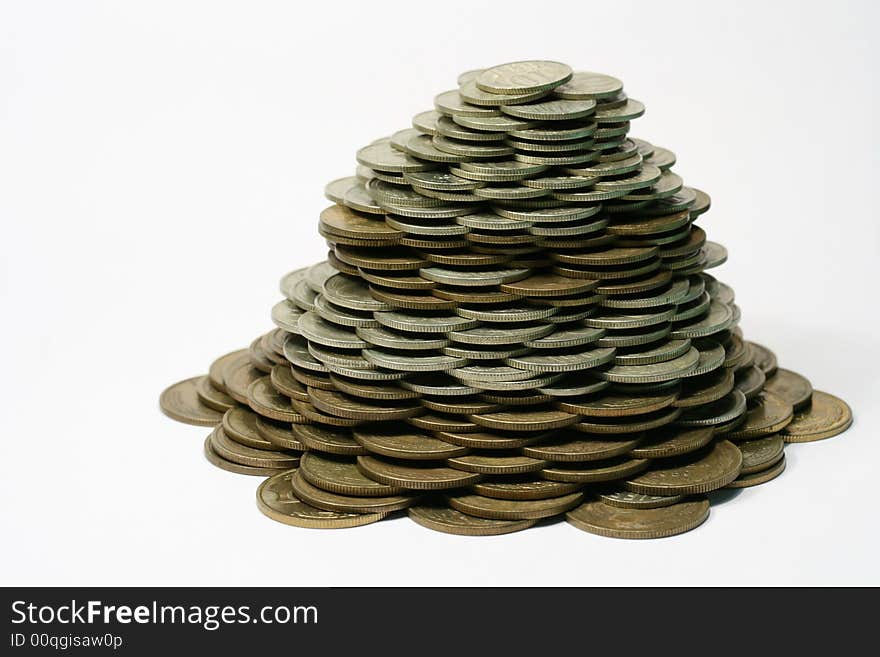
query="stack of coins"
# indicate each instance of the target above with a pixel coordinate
(513, 322)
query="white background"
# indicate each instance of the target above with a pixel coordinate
(162, 165)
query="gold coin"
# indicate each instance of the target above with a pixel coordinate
(415, 476)
(240, 424)
(284, 382)
(592, 472)
(181, 402)
(449, 521)
(524, 488)
(279, 434)
(306, 412)
(790, 386)
(827, 416)
(328, 439)
(230, 466)
(328, 501)
(486, 440)
(265, 400)
(238, 375)
(757, 478)
(617, 522)
(403, 442)
(217, 370)
(705, 388)
(616, 404)
(493, 508)
(673, 441)
(212, 397)
(629, 424)
(276, 499)
(713, 467)
(525, 419)
(761, 453)
(258, 458)
(768, 415)
(764, 358)
(341, 475)
(341, 405)
(626, 500)
(566, 447)
(502, 463)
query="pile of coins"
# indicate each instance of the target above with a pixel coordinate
(514, 322)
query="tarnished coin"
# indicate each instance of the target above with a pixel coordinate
(244, 455)
(217, 370)
(277, 500)
(664, 371)
(498, 509)
(412, 475)
(240, 424)
(181, 402)
(768, 414)
(827, 416)
(334, 440)
(342, 405)
(596, 471)
(705, 389)
(617, 522)
(589, 85)
(381, 156)
(496, 463)
(761, 453)
(790, 386)
(231, 466)
(328, 501)
(523, 77)
(265, 400)
(764, 358)
(574, 447)
(340, 475)
(402, 441)
(279, 434)
(667, 442)
(759, 477)
(449, 521)
(726, 409)
(627, 500)
(707, 470)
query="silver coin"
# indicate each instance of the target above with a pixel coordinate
(409, 363)
(384, 337)
(664, 371)
(285, 315)
(341, 316)
(500, 335)
(462, 278)
(315, 329)
(563, 362)
(424, 323)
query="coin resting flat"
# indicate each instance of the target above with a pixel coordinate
(514, 321)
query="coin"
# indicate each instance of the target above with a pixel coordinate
(827, 416)
(767, 415)
(244, 455)
(700, 472)
(760, 477)
(589, 85)
(231, 466)
(334, 440)
(328, 501)
(667, 442)
(627, 500)
(218, 367)
(764, 358)
(615, 522)
(181, 402)
(496, 463)
(573, 447)
(523, 77)
(595, 471)
(278, 434)
(760, 453)
(791, 387)
(412, 475)
(340, 475)
(277, 500)
(498, 509)
(240, 424)
(449, 521)
(405, 442)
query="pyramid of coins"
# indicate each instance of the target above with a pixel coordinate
(513, 323)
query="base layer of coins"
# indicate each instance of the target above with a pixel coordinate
(514, 322)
